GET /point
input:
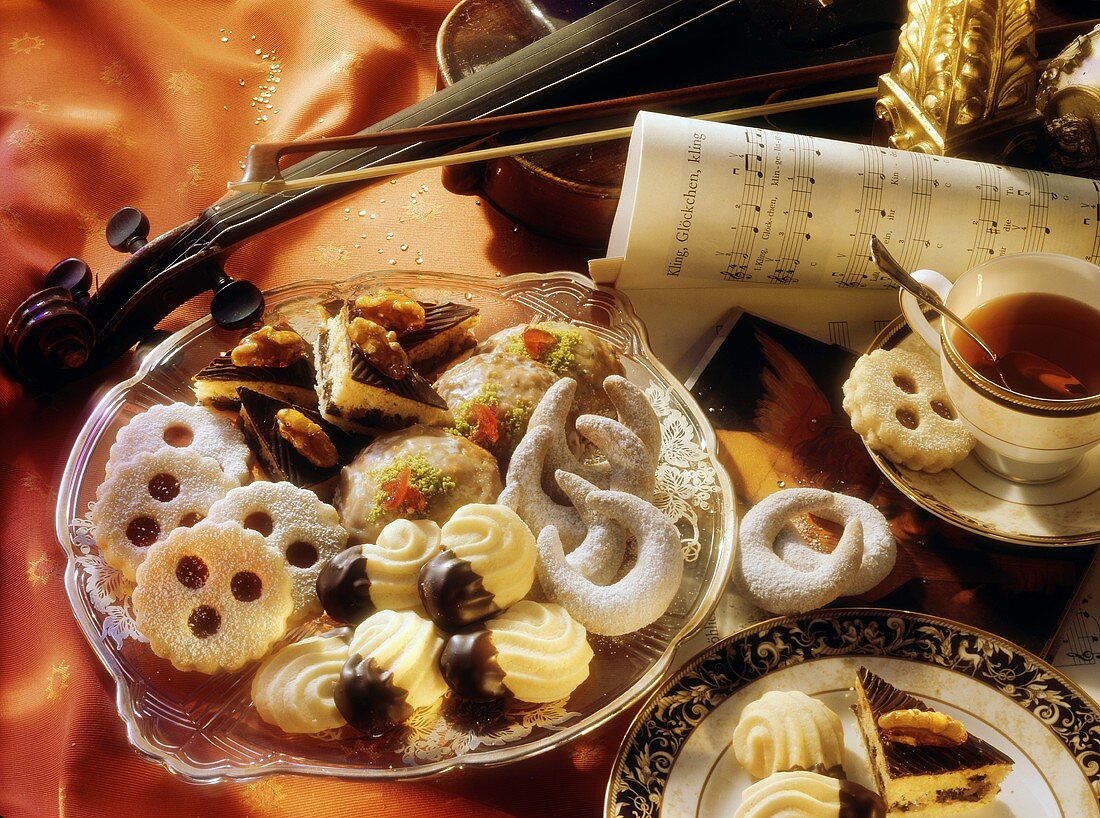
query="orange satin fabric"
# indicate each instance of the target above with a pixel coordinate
(105, 103)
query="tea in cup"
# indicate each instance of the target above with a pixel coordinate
(1033, 425)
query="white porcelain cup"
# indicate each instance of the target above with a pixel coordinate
(1023, 438)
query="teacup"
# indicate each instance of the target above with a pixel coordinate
(1023, 438)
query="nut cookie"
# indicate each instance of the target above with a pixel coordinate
(293, 522)
(212, 597)
(150, 495)
(188, 428)
(898, 404)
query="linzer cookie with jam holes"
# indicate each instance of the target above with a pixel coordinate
(150, 495)
(392, 669)
(274, 361)
(419, 473)
(567, 351)
(533, 652)
(486, 564)
(383, 575)
(212, 597)
(366, 375)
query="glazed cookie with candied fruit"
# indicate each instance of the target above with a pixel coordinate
(898, 404)
(294, 523)
(150, 495)
(212, 597)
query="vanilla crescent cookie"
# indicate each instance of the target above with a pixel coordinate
(809, 795)
(383, 575)
(188, 428)
(293, 522)
(780, 573)
(898, 404)
(294, 687)
(533, 651)
(150, 495)
(392, 669)
(212, 597)
(788, 730)
(486, 564)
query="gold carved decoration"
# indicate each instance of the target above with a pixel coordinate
(1069, 101)
(964, 75)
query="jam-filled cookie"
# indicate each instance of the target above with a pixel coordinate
(293, 522)
(392, 669)
(212, 597)
(187, 428)
(378, 576)
(293, 688)
(150, 495)
(533, 651)
(487, 563)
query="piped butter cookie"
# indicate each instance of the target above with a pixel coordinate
(809, 795)
(898, 404)
(187, 428)
(294, 687)
(212, 597)
(150, 495)
(294, 523)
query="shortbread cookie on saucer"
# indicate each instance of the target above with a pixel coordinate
(150, 495)
(212, 597)
(898, 404)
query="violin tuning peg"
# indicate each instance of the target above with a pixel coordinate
(236, 303)
(128, 230)
(74, 275)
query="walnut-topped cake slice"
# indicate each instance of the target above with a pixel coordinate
(925, 762)
(275, 361)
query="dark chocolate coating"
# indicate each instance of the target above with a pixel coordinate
(344, 587)
(453, 594)
(367, 697)
(222, 368)
(470, 668)
(860, 802)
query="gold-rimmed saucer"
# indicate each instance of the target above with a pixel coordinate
(1065, 512)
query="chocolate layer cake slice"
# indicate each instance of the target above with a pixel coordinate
(923, 780)
(279, 458)
(355, 395)
(446, 332)
(216, 384)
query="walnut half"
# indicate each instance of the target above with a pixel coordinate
(269, 346)
(380, 347)
(391, 310)
(307, 437)
(922, 728)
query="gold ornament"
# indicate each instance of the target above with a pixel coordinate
(1069, 101)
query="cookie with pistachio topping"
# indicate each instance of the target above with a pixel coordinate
(491, 398)
(420, 473)
(566, 350)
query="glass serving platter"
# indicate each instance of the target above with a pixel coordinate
(205, 729)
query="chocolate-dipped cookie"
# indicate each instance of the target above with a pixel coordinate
(487, 564)
(534, 652)
(804, 794)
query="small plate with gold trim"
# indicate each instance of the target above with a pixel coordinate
(677, 760)
(1065, 512)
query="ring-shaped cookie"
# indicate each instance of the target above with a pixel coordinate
(808, 579)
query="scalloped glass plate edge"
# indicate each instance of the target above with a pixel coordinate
(1077, 728)
(65, 512)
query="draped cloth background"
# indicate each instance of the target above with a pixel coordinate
(105, 103)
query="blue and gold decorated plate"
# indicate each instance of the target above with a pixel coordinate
(677, 760)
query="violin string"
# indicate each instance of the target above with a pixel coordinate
(214, 224)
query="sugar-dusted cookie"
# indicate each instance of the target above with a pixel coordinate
(487, 563)
(378, 576)
(185, 427)
(294, 686)
(212, 597)
(898, 404)
(392, 669)
(294, 523)
(533, 651)
(149, 495)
